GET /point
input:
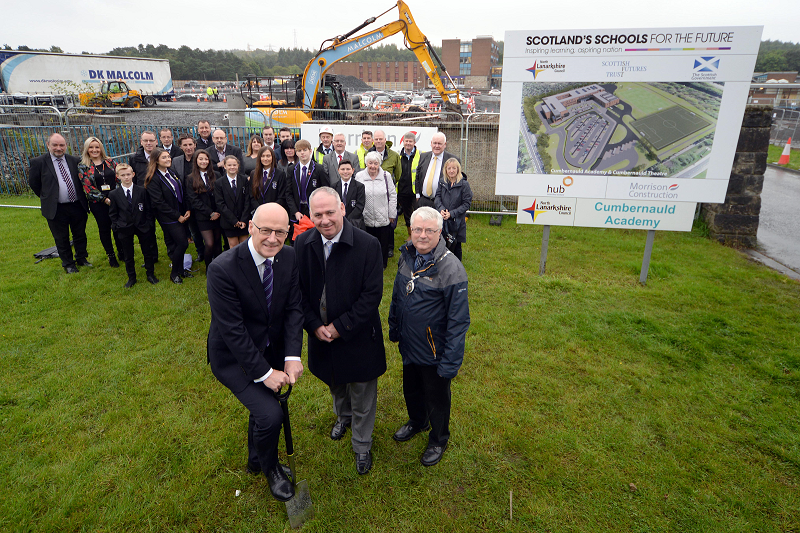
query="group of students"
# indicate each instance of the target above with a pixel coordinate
(208, 189)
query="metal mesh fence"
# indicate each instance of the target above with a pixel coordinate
(785, 125)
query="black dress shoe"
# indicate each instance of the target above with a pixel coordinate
(187, 274)
(363, 462)
(407, 431)
(339, 429)
(432, 455)
(255, 469)
(279, 484)
(71, 269)
(112, 261)
(391, 253)
(131, 283)
(84, 263)
(176, 279)
(152, 278)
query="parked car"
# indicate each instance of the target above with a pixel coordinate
(494, 92)
(473, 92)
(420, 101)
(380, 101)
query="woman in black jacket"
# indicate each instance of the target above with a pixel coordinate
(171, 209)
(453, 198)
(200, 192)
(267, 182)
(231, 198)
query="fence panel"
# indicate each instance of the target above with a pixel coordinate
(785, 125)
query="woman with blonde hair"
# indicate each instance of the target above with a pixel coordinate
(453, 199)
(97, 173)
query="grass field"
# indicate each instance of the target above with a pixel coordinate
(775, 154)
(642, 99)
(619, 133)
(668, 126)
(602, 404)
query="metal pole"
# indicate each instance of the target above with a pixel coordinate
(648, 249)
(543, 258)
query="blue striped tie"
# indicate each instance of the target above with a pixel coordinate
(266, 282)
(67, 178)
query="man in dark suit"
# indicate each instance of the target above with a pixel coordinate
(54, 179)
(166, 138)
(182, 165)
(352, 193)
(330, 163)
(256, 334)
(341, 280)
(204, 141)
(221, 149)
(268, 134)
(141, 158)
(131, 215)
(427, 179)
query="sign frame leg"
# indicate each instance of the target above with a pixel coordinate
(648, 250)
(545, 241)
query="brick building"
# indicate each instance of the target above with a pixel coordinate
(473, 64)
(391, 75)
(780, 89)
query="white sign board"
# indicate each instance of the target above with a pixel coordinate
(352, 133)
(628, 114)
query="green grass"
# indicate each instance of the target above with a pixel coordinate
(642, 98)
(619, 133)
(574, 386)
(775, 154)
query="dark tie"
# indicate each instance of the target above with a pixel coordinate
(303, 184)
(266, 281)
(345, 191)
(418, 263)
(65, 175)
(177, 187)
(233, 186)
(130, 199)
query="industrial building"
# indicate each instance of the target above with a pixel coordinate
(473, 64)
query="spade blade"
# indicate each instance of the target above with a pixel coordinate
(300, 508)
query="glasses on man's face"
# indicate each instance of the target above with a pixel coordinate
(266, 232)
(428, 231)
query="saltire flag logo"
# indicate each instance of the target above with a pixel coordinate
(706, 64)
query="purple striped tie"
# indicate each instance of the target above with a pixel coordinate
(67, 180)
(266, 281)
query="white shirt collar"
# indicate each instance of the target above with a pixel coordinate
(126, 189)
(335, 237)
(258, 259)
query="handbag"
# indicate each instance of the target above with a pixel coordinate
(393, 225)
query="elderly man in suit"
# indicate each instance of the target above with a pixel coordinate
(221, 149)
(341, 281)
(54, 179)
(256, 334)
(431, 170)
(330, 162)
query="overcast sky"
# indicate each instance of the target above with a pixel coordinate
(228, 24)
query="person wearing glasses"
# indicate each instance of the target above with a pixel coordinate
(256, 334)
(429, 318)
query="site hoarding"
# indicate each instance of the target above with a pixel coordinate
(627, 114)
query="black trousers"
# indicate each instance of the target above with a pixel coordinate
(100, 212)
(146, 243)
(424, 201)
(406, 203)
(69, 217)
(428, 400)
(385, 236)
(456, 249)
(263, 426)
(177, 242)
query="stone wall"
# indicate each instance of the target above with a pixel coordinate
(735, 223)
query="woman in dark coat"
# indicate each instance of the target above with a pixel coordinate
(267, 182)
(200, 192)
(453, 198)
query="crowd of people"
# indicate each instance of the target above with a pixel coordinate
(307, 244)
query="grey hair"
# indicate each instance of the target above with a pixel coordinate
(427, 213)
(444, 137)
(409, 135)
(325, 190)
(373, 156)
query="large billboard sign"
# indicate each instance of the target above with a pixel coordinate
(625, 114)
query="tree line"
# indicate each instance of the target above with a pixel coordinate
(778, 56)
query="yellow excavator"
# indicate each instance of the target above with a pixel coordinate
(292, 101)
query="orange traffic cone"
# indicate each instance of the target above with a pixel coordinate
(198, 98)
(787, 151)
(206, 99)
(224, 98)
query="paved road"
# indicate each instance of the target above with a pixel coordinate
(779, 224)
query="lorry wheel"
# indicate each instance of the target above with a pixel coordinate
(149, 101)
(134, 103)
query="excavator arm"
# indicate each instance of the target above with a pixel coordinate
(344, 46)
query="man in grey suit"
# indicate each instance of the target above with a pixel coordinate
(330, 163)
(54, 179)
(427, 179)
(182, 163)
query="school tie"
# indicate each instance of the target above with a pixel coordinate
(431, 172)
(266, 282)
(65, 176)
(345, 191)
(233, 186)
(130, 199)
(303, 183)
(418, 263)
(178, 191)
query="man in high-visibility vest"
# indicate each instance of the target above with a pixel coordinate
(325, 145)
(406, 193)
(210, 93)
(366, 146)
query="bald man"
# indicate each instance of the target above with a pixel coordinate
(256, 334)
(53, 177)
